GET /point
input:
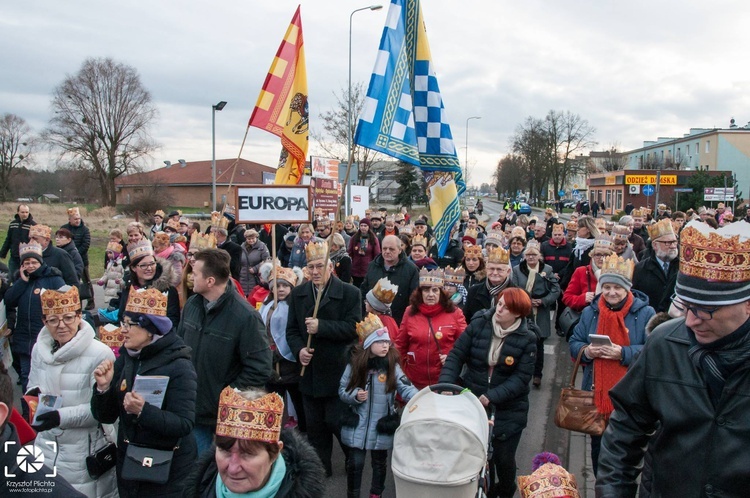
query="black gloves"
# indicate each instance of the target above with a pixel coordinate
(47, 421)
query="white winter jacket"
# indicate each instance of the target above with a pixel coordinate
(69, 372)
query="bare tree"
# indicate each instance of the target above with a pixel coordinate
(333, 141)
(509, 175)
(16, 145)
(569, 135)
(102, 116)
(532, 143)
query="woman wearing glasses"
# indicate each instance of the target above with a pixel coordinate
(62, 364)
(621, 314)
(148, 271)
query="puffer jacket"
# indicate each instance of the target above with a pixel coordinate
(24, 298)
(378, 404)
(546, 287)
(635, 321)
(304, 478)
(113, 280)
(252, 257)
(162, 282)
(161, 428)
(584, 280)
(54, 257)
(75, 256)
(18, 231)
(421, 340)
(81, 238)
(299, 256)
(508, 385)
(68, 372)
(699, 450)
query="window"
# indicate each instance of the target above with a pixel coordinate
(708, 146)
(687, 149)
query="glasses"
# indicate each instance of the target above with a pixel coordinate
(54, 321)
(190, 255)
(667, 242)
(699, 312)
(316, 267)
(146, 266)
(126, 325)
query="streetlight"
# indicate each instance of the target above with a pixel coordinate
(349, 113)
(214, 108)
(466, 160)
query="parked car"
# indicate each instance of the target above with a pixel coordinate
(524, 209)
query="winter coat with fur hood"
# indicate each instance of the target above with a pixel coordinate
(162, 282)
(304, 478)
(68, 372)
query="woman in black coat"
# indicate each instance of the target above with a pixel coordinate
(151, 347)
(497, 345)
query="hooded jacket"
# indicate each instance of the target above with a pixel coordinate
(304, 478)
(82, 239)
(18, 231)
(55, 257)
(404, 274)
(24, 298)
(507, 385)
(68, 372)
(160, 428)
(252, 257)
(162, 282)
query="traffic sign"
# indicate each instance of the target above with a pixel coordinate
(648, 190)
(561, 193)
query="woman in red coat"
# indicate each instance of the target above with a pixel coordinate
(429, 328)
(582, 287)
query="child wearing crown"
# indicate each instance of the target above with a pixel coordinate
(369, 385)
(113, 279)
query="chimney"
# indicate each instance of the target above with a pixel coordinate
(182, 163)
(168, 164)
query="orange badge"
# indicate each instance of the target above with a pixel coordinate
(509, 360)
(123, 385)
(439, 335)
(37, 291)
(382, 377)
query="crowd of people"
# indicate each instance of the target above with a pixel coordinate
(252, 366)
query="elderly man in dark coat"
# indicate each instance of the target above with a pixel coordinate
(656, 275)
(332, 331)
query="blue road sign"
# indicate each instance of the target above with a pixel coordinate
(648, 190)
(575, 192)
(561, 193)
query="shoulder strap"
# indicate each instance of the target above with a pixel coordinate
(575, 369)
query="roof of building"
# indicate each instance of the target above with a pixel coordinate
(199, 173)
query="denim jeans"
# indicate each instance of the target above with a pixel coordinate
(204, 437)
(355, 464)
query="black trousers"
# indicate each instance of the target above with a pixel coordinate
(322, 416)
(539, 363)
(296, 395)
(355, 464)
(504, 460)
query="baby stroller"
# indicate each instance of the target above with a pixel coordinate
(440, 450)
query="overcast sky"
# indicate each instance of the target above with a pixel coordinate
(636, 70)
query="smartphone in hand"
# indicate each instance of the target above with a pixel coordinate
(600, 340)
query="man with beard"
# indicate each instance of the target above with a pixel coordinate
(482, 295)
(376, 225)
(656, 275)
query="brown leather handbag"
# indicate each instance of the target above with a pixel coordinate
(576, 410)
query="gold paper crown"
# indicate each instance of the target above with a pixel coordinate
(315, 250)
(498, 256)
(256, 420)
(615, 265)
(112, 338)
(620, 232)
(184, 220)
(548, 481)
(603, 241)
(159, 212)
(286, 274)
(406, 229)
(40, 231)
(218, 220)
(147, 301)
(558, 226)
(384, 291)
(660, 229)
(600, 224)
(114, 247)
(714, 257)
(663, 207)
(160, 242)
(549, 211)
(370, 324)
(199, 241)
(495, 236)
(455, 275)
(174, 225)
(419, 240)
(470, 232)
(473, 252)
(32, 247)
(518, 232)
(433, 278)
(74, 211)
(140, 249)
(533, 245)
(58, 303)
(572, 226)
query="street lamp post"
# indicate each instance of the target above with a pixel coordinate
(466, 159)
(214, 108)
(349, 113)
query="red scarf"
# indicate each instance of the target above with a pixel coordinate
(430, 310)
(607, 373)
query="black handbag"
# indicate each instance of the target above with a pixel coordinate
(101, 460)
(147, 464)
(569, 318)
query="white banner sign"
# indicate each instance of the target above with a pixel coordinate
(718, 194)
(274, 204)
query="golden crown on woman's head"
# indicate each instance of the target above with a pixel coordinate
(55, 302)
(615, 265)
(384, 291)
(473, 251)
(370, 324)
(252, 420)
(431, 278)
(455, 275)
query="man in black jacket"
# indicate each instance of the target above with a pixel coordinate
(82, 240)
(482, 295)
(227, 337)
(656, 275)
(331, 333)
(18, 231)
(393, 264)
(233, 249)
(54, 257)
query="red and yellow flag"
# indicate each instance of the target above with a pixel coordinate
(282, 104)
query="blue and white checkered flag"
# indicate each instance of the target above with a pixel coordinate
(404, 116)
